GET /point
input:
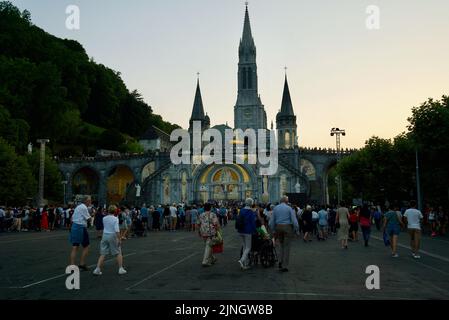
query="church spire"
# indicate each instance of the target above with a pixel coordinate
(286, 121)
(286, 105)
(198, 110)
(247, 38)
(248, 110)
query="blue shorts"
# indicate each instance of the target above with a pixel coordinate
(79, 236)
(393, 229)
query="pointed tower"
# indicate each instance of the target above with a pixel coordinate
(198, 111)
(286, 121)
(248, 111)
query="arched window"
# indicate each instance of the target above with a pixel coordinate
(250, 84)
(287, 140)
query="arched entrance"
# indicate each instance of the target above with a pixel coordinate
(223, 183)
(118, 181)
(148, 170)
(330, 183)
(85, 181)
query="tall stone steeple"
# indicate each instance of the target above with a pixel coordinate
(286, 121)
(198, 110)
(248, 111)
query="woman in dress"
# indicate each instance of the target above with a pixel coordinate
(208, 227)
(44, 219)
(342, 219)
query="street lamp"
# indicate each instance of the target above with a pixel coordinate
(337, 132)
(64, 183)
(40, 200)
(418, 184)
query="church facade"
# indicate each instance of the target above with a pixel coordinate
(152, 178)
(224, 182)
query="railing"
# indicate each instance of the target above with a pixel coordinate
(124, 156)
(328, 151)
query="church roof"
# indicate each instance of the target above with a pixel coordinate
(198, 110)
(221, 127)
(286, 105)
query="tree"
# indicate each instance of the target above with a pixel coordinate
(51, 85)
(17, 181)
(373, 172)
(429, 131)
(14, 131)
(111, 139)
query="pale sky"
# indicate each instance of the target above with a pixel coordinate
(340, 73)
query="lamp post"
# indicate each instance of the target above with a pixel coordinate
(418, 183)
(64, 183)
(40, 200)
(338, 133)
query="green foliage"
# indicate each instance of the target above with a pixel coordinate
(17, 181)
(52, 176)
(111, 139)
(53, 87)
(386, 169)
(131, 147)
(429, 130)
(14, 131)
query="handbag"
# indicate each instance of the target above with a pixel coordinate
(337, 225)
(218, 248)
(217, 239)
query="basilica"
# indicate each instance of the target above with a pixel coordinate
(152, 178)
(238, 181)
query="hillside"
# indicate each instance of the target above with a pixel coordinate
(50, 88)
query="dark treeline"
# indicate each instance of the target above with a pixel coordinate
(385, 169)
(50, 88)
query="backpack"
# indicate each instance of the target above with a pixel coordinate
(240, 222)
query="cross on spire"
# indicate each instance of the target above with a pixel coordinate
(285, 68)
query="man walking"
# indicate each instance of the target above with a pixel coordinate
(78, 233)
(284, 223)
(246, 227)
(413, 217)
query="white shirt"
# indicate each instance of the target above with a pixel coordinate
(2, 213)
(173, 212)
(315, 215)
(81, 215)
(110, 223)
(413, 216)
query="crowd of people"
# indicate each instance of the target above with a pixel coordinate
(261, 228)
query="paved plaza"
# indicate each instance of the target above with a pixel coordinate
(167, 265)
